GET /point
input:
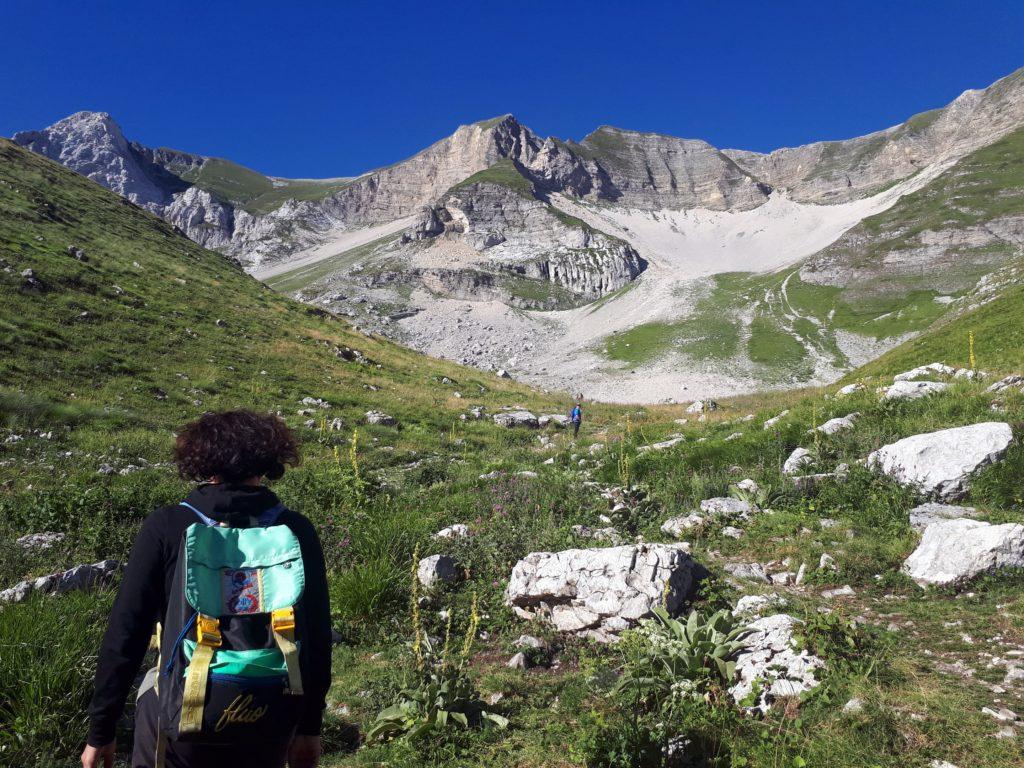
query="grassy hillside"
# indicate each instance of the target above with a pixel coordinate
(252, 191)
(103, 358)
(998, 330)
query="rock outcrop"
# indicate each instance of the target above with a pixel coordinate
(772, 660)
(955, 550)
(516, 233)
(941, 464)
(599, 592)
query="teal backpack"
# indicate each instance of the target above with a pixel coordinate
(230, 654)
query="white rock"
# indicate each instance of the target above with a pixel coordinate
(940, 464)
(748, 485)
(1003, 715)
(850, 389)
(43, 540)
(925, 370)
(677, 527)
(1014, 381)
(435, 569)
(752, 606)
(529, 641)
(954, 550)
(913, 390)
(558, 419)
(71, 580)
(599, 592)
(516, 419)
(597, 534)
(853, 706)
(924, 515)
(517, 662)
(798, 460)
(662, 445)
(700, 406)
(380, 418)
(769, 423)
(728, 508)
(832, 426)
(732, 532)
(457, 531)
(844, 591)
(827, 562)
(770, 657)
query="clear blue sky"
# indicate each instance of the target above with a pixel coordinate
(328, 89)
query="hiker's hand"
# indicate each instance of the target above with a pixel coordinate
(94, 757)
(304, 752)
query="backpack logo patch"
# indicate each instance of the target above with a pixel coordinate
(242, 590)
(241, 711)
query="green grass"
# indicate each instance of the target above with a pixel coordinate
(770, 345)
(303, 277)
(503, 173)
(252, 191)
(111, 386)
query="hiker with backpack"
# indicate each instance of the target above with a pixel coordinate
(576, 417)
(236, 586)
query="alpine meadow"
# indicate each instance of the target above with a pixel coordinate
(622, 451)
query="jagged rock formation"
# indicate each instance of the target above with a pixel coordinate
(837, 171)
(921, 220)
(517, 233)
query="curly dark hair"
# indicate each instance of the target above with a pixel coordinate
(235, 446)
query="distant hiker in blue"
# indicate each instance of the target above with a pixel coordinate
(576, 417)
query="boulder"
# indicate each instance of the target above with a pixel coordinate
(940, 464)
(850, 389)
(43, 540)
(840, 424)
(511, 419)
(931, 369)
(924, 515)
(457, 531)
(753, 606)
(770, 657)
(702, 406)
(79, 577)
(380, 418)
(599, 592)
(769, 423)
(748, 485)
(557, 419)
(435, 569)
(677, 527)
(913, 390)
(728, 508)
(1013, 381)
(956, 550)
(798, 460)
(662, 445)
(597, 534)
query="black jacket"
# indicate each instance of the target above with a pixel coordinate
(142, 601)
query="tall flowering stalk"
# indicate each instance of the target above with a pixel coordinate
(467, 644)
(417, 642)
(970, 347)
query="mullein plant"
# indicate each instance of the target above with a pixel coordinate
(440, 692)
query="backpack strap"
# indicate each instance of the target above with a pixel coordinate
(207, 520)
(282, 622)
(193, 699)
(266, 518)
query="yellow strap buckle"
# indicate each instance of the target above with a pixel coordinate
(208, 631)
(283, 619)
